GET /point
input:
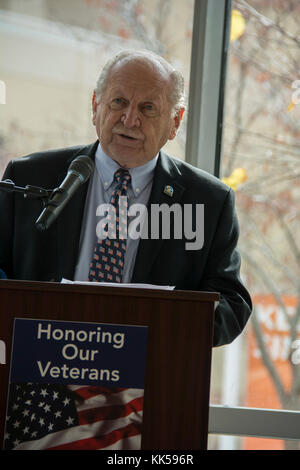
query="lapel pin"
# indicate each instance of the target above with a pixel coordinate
(169, 191)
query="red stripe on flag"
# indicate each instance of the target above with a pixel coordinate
(97, 443)
(93, 415)
(85, 393)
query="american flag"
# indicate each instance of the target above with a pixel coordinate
(59, 417)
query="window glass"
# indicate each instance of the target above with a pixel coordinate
(52, 52)
(222, 442)
(261, 162)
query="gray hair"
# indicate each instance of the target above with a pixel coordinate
(177, 96)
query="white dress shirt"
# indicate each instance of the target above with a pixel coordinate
(100, 188)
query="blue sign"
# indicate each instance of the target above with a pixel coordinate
(78, 353)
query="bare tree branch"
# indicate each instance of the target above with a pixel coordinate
(266, 21)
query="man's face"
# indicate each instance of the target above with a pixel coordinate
(134, 117)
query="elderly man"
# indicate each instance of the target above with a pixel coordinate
(137, 107)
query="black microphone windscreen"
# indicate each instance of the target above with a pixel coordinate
(78, 173)
(83, 166)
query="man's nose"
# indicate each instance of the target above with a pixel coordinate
(130, 117)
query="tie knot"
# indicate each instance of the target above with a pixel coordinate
(122, 177)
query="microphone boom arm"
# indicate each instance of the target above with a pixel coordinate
(29, 192)
(54, 200)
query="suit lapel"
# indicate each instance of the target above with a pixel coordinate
(70, 220)
(166, 189)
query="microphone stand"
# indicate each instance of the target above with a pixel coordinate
(47, 196)
(29, 192)
(54, 200)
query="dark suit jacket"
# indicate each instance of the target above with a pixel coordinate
(26, 253)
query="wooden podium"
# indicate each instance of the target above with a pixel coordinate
(179, 344)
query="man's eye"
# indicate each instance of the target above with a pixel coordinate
(149, 109)
(117, 103)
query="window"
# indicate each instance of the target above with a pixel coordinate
(260, 161)
(52, 52)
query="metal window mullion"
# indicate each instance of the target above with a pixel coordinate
(207, 84)
(254, 422)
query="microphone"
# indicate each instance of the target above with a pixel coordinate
(79, 172)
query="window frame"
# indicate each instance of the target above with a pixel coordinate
(211, 28)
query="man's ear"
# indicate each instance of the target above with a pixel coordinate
(94, 107)
(177, 120)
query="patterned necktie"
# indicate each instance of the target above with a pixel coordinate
(108, 258)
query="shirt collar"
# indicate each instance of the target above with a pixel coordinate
(140, 176)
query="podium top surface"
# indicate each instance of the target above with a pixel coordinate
(91, 289)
